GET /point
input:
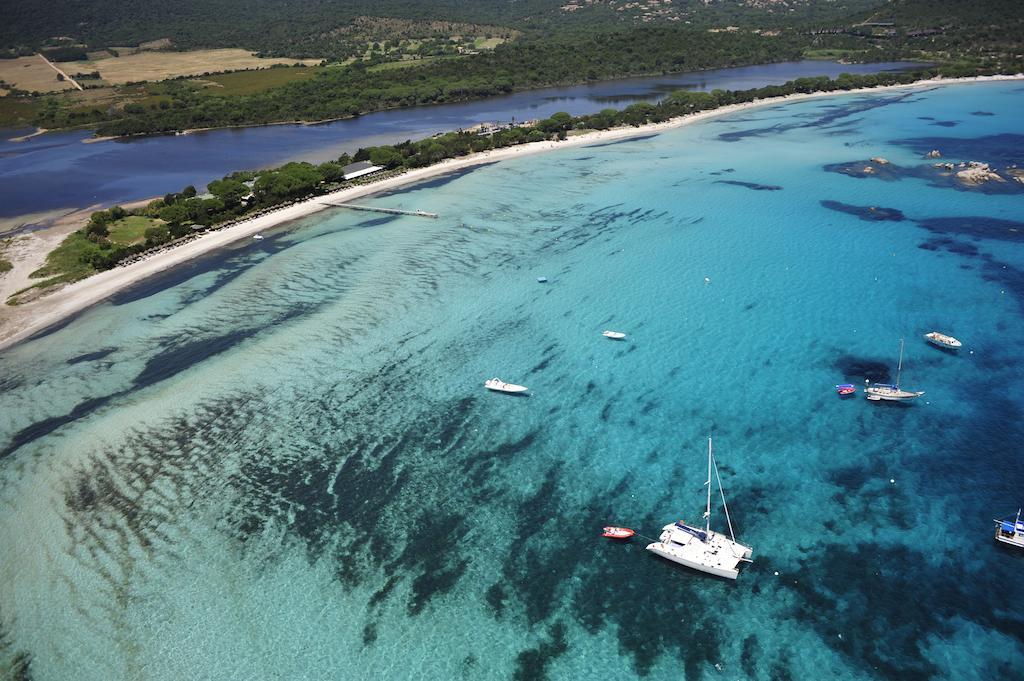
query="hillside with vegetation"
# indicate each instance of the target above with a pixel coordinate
(339, 92)
(409, 53)
(321, 28)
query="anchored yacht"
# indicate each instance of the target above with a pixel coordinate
(892, 392)
(704, 549)
(943, 341)
(1010, 530)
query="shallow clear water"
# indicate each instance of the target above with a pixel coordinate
(280, 462)
(56, 171)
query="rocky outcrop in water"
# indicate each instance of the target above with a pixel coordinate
(976, 172)
(963, 176)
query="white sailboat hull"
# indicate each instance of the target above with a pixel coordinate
(1017, 540)
(891, 394)
(717, 555)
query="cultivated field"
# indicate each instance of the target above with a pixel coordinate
(163, 65)
(248, 82)
(33, 74)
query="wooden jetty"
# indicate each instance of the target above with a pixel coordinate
(379, 209)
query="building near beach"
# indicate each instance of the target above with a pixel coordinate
(354, 170)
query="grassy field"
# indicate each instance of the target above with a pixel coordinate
(828, 53)
(132, 229)
(67, 262)
(406, 63)
(142, 66)
(16, 113)
(248, 82)
(487, 43)
(33, 74)
(5, 264)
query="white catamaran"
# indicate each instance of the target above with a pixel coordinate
(704, 550)
(893, 393)
(1010, 530)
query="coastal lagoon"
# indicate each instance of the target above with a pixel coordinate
(56, 171)
(279, 461)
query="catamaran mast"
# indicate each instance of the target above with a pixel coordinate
(725, 506)
(899, 367)
(707, 512)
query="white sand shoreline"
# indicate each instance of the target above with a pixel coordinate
(38, 315)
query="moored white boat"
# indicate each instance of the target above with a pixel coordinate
(258, 237)
(1010, 530)
(614, 335)
(942, 340)
(703, 549)
(501, 386)
(892, 392)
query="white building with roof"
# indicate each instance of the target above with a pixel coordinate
(358, 169)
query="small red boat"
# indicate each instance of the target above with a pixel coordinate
(618, 532)
(846, 389)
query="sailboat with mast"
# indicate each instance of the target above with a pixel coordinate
(892, 392)
(704, 549)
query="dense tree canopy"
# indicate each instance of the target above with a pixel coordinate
(316, 28)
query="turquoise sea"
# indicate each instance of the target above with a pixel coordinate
(280, 462)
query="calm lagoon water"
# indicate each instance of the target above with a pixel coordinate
(56, 171)
(280, 461)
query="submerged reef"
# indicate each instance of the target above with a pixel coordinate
(963, 176)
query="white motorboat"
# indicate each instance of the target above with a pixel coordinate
(1010, 530)
(891, 392)
(614, 335)
(704, 549)
(258, 237)
(501, 386)
(943, 341)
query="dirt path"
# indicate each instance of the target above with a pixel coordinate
(54, 67)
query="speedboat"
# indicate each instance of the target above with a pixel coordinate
(501, 386)
(845, 389)
(943, 341)
(618, 532)
(614, 335)
(258, 237)
(704, 549)
(542, 280)
(1009, 530)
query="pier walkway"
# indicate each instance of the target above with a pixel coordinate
(379, 209)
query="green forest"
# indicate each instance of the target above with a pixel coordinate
(314, 28)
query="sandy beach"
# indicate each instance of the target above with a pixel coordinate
(20, 322)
